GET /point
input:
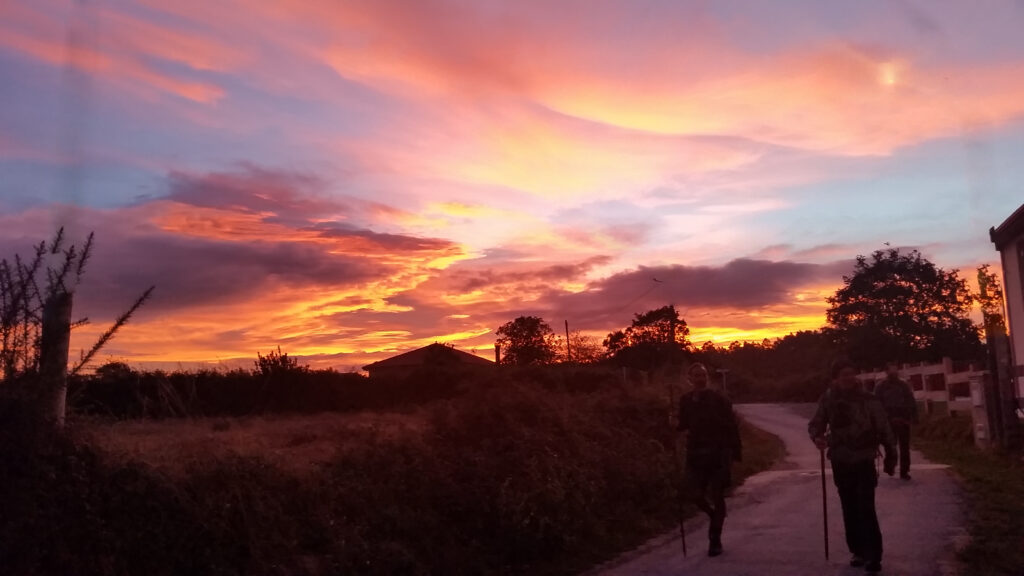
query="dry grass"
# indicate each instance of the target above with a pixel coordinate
(994, 485)
(297, 444)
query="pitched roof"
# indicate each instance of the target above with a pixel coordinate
(1012, 227)
(432, 354)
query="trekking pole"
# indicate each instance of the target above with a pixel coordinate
(824, 500)
(680, 512)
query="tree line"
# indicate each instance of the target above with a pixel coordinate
(894, 306)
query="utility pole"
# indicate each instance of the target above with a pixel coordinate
(568, 352)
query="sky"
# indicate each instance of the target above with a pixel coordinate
(348, 180)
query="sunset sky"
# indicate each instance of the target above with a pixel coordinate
(351, 179)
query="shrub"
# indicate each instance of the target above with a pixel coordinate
(158, 394)
(946, 428)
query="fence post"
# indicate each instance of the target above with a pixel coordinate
(53, 359)
(1003, 373)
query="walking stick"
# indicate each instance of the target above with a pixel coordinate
(824, 500)
(680, 512)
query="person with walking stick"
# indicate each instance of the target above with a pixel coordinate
(898, 400)
(851, 424)
(712, 444)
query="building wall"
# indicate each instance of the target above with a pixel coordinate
(1013, 274)
(391, 372)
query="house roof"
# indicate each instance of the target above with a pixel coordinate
(432, 354)
(1011, 228)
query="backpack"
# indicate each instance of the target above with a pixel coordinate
(850, 421)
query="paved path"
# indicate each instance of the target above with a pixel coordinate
(775, 522)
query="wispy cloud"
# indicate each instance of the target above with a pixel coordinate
(351, 179)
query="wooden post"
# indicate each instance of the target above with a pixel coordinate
(1009, 429)
(568, 352)
(53, 359)
(824, 501)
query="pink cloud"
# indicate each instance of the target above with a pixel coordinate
(117, 54)
(832, 97)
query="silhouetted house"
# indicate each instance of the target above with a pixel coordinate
(1009, 240)
(429, 357)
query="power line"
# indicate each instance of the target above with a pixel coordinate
(653, 287)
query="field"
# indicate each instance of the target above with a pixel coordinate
(298, 444)
(528, 473)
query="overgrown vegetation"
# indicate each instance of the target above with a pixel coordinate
(528, 472)
(36, 298)
(277, 384)
(994, 483)
(789, 369)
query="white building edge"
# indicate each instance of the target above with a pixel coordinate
(1008, 238)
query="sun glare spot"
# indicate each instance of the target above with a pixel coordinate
(888, 74)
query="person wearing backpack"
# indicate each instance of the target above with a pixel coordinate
(712, 444)
(898, 401)
(851, 424)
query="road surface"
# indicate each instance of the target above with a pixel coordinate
(775, 522)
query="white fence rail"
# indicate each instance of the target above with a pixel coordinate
(939, 388)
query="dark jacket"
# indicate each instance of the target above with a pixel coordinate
(856, 424)
(897, 399)
(711, 422)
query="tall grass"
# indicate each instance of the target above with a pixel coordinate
(994, 483)
(527, 473)
(127, 393)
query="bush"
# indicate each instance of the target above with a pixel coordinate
(946, 428)
(157, 394)
(64, 508)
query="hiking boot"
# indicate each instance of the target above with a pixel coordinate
(856, 561)
(715, 547)
(873, 567)
(905, 476)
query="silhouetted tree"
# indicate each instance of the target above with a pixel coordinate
(114, 371)
(615, 342)
(902, 307)
(654, 337)
(276, 363)
(990, 298)
(584, 348)
(527, 340)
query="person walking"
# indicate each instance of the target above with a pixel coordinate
(712, 444)
(851, 424)
(898, 400)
